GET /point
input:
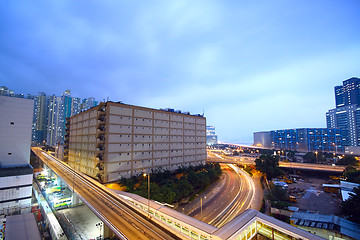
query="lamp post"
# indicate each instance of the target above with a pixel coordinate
(316, 153)
(335, 152)
(148, 192)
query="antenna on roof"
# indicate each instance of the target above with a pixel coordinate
(107, 99)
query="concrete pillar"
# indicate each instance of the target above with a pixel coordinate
(75, 199)
(107, 232)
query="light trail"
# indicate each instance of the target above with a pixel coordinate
(112, 201)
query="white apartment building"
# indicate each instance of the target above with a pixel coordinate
(15, 138)
(114, 140)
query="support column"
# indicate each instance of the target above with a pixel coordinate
(107, 232)
(75, 200)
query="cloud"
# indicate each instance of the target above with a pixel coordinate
(246, 64)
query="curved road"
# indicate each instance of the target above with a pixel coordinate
(228, 198)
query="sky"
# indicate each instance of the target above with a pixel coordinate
(248, 65)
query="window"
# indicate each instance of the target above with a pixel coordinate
(9, 153)
(12, 123)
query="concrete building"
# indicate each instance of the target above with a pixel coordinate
(40, 118)
(55, 121)
(114, 140)
(15, 139)
(211, 137)
(302, 139)
(346, 115)
(326, 226)
(262, 139)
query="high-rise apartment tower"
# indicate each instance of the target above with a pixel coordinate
(346, 115)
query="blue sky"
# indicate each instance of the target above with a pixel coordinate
(249, 65)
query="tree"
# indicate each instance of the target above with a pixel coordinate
(278, 197)
(269, 165)
(352, 175)
(347, 161)
(310, 157)
(351, 207)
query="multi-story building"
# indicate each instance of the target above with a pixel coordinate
(50, 113)
(55, 121)
(40, 118)
(262, 139)
(302, 139)
(346, 115)
(15, 171)
(88, 103)
(114, 140)
(211, 137)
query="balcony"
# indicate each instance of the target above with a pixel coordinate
(100, 157)
(100, 176)
(99, 166)
(102, 117)
(101, 137)
(101, 126)
(100, 147)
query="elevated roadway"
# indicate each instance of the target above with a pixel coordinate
(290, 165)
(119, 217)
(128, 221)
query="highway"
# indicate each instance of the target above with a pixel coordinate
(228, 198)
(293, 165)
(119, 217)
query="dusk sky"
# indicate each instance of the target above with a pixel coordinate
(249, 65)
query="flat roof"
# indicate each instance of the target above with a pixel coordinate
(330, 222)
(22, 227)
(15, 171)
(161, 110)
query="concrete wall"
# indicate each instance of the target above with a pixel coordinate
(16, 115)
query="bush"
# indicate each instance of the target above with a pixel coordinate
(166, 186)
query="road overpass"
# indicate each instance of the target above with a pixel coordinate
(131, 216)
(116, 214)
(289, 165)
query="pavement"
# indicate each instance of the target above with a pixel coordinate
(81, 222)
(259, 193)
(315, 199)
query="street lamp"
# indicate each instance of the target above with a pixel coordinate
(316, 153)
(335, 153)
(99, 226)
(148, 192)
(201, 205)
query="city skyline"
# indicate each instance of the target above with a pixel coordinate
(250, 67)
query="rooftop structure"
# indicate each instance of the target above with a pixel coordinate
(326, 226)
(22, 227)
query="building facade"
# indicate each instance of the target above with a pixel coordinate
(302, 139)
(114, 140)
(15, 139)
(346, 115)
(262, 139)
(211, 137)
